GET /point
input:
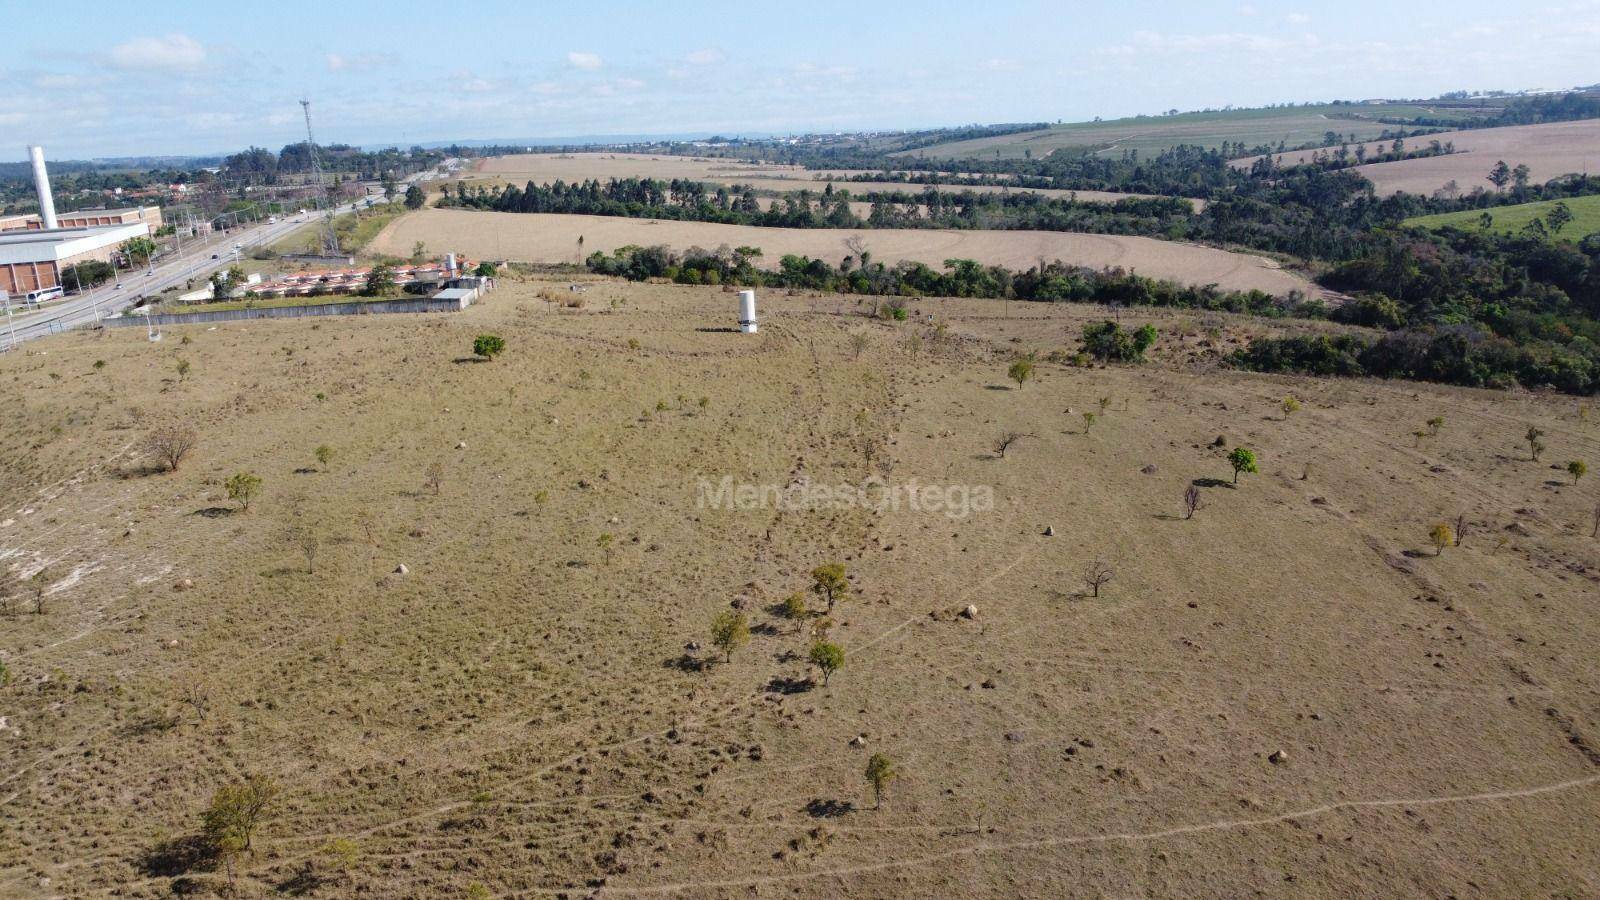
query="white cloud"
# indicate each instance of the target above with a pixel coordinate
(175, 52)
(1298, 18)
(704, 57)
(585, 61)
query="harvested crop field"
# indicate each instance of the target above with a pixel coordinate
(1293, 125)
(543, 168)
(1549, 151)
(1283, 696)
(554, 238)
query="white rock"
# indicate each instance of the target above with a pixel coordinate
(461, 445)
(1278, 757)
(401, 569)
(971, 612)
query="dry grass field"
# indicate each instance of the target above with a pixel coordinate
(1549, 151)
(543, 168)
(534, 237)
(1288, 695)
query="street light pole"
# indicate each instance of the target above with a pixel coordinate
(6, 298)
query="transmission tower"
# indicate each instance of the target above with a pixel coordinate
(330, 239)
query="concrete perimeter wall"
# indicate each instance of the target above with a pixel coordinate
(294, 312)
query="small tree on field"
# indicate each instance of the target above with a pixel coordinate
(1088, 421)
(859, 343)
(1243, 459)
(488, 346)
(1290, 406)
(5, 674)
(1191, 501)
(1442, 537)
(880, 771)
(170, 444)
(827, 657)
(1577, 469)
(182, 367)
(1434, 425)
(1004, 442)
(40, 583)
(243, 487)
(236, 812)
(433, 477)
(1097, 574)
(307, 538)
(1020, 371)
(794, 607)
(829, 583)
(1535, 446)
(729, 631)
(1559, 217)
(324, 455)
(1595, 531)
(604, 542)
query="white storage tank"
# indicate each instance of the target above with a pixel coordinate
(747, 312)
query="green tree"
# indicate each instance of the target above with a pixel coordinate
(237, 811)
(415, 197)
(880, 771)
(1535, 445)
(138, 250)
(324, 455)
(828, 581)
(182, 367)
(1558, 218)
(1243, 459)
(730, 631)
(380, 280)
(1500, 175)
(794, 607)
(1020, 371)
(1577, 469)
(243, 487)
(828, 657)
(488, 346)
(486, 269)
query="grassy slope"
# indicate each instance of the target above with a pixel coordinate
(1509, 219)
(1148, 135)
(508, 713)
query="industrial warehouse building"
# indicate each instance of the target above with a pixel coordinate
(33, 259)
(84, 218)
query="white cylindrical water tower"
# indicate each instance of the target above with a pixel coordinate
(41, 184)
(747, 312)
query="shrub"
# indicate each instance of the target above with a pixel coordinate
(324, 455)
(1108, 341)
(1097, 574)
(1290, 406)
(182, 367)
(1577, 469)
(243, 487)
(828, 657)
(729, 631)
(1020, 371)
(488, 346)
(1191, 501)
(170, 444)
(1442, 537)
(1535, 446)
(1242, 459)
(880, 771)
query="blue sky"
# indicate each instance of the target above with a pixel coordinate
(188, 78)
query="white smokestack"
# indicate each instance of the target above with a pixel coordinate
(747, 312)
(41, 183)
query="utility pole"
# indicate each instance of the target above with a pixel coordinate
(330, 239)
(6, 299)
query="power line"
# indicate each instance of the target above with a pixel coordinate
(330, 238)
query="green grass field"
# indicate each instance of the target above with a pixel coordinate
(1508, 219)
(1151, 134)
